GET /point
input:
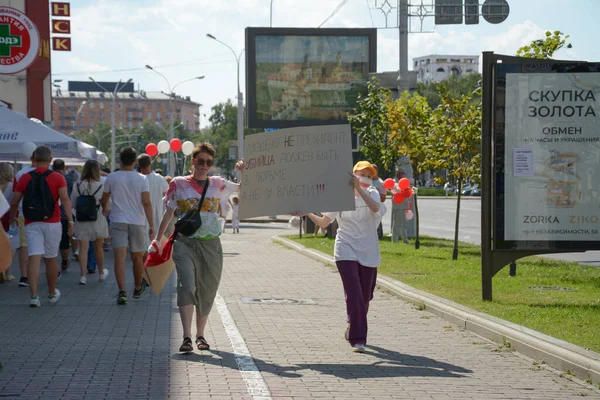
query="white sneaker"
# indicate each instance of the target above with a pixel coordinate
(53, 298)
(35, 301)
(358, 348)
(82, 280)
(104, 274)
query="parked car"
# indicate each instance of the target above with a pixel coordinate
(468, 190)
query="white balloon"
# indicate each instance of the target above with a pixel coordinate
(409, 215)
(187, 148)
(163, 146)
(28, 148)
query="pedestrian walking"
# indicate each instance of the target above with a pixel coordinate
(41, 189)
(399, 231)
(158, 187)
(356, 250)
(235, 214)
(130, 209)
(7, 176)
(198, 256)
(5, 247)
(22, 242)
(90, 224)
(65, 241)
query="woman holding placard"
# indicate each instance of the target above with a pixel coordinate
(198, 254)
(356, 251)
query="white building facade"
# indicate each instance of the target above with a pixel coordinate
(436, 67)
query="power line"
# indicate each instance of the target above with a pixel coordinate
(338, 8)
(370, 13)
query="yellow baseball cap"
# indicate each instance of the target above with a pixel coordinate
(364, 165)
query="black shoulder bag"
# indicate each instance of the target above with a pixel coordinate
(190, 222)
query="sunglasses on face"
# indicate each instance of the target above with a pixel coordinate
(201, 162)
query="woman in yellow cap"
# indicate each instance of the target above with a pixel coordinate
(356, 251)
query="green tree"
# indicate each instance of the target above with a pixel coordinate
(370, 123)
(546, 47)
(409, 120)
(456, 143)
(457, 86)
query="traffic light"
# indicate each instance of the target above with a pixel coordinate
(471, 12)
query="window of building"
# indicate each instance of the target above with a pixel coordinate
(82, 114)
(130, 124)
(440, 70)
(168, 115)
(101, 115)
(101, 105)
(120, 114)
(82, 124)
(140, 124)
(92, 124)
(416, 63)
(140, 114)
(62, 103)
(469, 70)
(92, 114)
(112, 114)
(129, 115)
(91, 104)
(149, 115)
(441, 60)
(120, 105)
(455, 60)
(140, 105)
(455, 71)
(110, 105)
(62, 113)
(158, 115)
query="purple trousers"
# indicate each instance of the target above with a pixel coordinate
(359, 284)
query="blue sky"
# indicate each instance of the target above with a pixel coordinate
(114, 39)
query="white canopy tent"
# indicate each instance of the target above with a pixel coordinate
(16, 131)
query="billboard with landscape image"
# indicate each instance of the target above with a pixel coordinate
(303, 77)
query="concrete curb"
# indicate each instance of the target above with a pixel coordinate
(556, 353)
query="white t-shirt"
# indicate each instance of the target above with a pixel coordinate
(236, 210)
(126, 188)
(184, 194)
(18, 176)
(356, 238)
(158, 187)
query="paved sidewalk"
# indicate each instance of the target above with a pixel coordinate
(276, 333)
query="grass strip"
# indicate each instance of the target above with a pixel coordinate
(560, 299)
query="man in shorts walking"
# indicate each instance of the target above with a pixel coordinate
(131, 208)
(41, 189)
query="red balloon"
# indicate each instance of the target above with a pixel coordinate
(406, 193)
(151, 149)
(389, 183)
(398, 198)
(175, 145)
(404, 183)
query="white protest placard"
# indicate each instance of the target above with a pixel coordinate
(297, 170)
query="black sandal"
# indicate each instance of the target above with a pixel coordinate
(186, 347)
(202, 343)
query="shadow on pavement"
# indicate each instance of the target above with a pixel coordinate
(390, 364)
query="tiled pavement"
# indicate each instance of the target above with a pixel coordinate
(87, 347)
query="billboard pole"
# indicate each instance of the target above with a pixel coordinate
(403, 81)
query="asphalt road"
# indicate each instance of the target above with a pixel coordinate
(437, 218)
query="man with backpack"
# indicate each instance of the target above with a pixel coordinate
(131, 208)
(41, 189)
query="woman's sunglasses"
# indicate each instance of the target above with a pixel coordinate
(201, 162)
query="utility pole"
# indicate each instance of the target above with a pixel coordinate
(118, 87)
(403, 79)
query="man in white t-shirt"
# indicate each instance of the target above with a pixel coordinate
(158, 187)
(131, 222)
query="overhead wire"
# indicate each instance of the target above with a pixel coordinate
(337, 9)
(370, 13)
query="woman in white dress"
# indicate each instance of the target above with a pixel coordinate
(90, 231)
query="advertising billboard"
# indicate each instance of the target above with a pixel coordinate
(305, 77)
(547, 141)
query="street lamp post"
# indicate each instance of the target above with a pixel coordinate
(171, 117)
(118, 87)
(75, 116)
(240, 102)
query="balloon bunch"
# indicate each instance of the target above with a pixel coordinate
(401, 191)
(175, 145)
